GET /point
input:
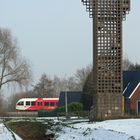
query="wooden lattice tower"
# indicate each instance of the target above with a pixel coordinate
(107, 55)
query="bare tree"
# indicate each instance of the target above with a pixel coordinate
(128, 65)
(72, 84)
(63, 84)
(81, 76)
(13, 68)
(44, 88)
(58, 85)
(3, 105)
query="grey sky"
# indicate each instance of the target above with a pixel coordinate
(56, 36)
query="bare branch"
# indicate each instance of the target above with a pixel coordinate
(13, 68)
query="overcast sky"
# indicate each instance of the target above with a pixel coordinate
(56, 35)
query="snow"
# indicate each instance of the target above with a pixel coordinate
(123, 129)
(5, 134)
(127, 129)
(17, 137)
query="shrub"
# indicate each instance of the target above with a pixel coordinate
(75, 106)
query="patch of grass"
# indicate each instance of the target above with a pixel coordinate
(29, 130)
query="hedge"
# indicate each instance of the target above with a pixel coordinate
(72, 107)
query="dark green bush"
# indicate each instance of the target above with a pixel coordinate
(60, 109)
(75, 106)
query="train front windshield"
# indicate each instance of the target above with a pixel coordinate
(21, 103)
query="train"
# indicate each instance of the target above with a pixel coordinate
(35, 104)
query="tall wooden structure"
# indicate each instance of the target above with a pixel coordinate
(107, 55)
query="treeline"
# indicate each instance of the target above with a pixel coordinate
(128, 65)
(51, 87)
(15, 70)
(48, 87)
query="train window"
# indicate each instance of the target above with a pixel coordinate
(39, 103)
(33, 103)
(46, 104)
(20, 103)
(27, 102)
(51, 103)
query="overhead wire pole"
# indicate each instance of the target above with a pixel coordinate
(107, 55)
(66, 100)
(66, 104)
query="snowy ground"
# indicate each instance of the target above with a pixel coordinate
(126, 129)
(5, 134)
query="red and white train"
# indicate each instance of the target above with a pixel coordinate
(34, 104)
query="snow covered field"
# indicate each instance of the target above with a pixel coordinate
(124, 129)
(127, 129)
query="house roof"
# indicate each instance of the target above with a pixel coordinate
(131, 80)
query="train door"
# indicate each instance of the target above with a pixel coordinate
(39, 104)
(27, 103)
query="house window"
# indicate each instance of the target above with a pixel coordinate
(138, 107)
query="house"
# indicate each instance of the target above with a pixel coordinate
(131, 91)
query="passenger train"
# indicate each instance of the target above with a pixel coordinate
(34, 104)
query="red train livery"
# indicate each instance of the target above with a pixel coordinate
(34, 104)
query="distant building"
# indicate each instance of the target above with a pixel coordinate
(131, 91)
(75, 96)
